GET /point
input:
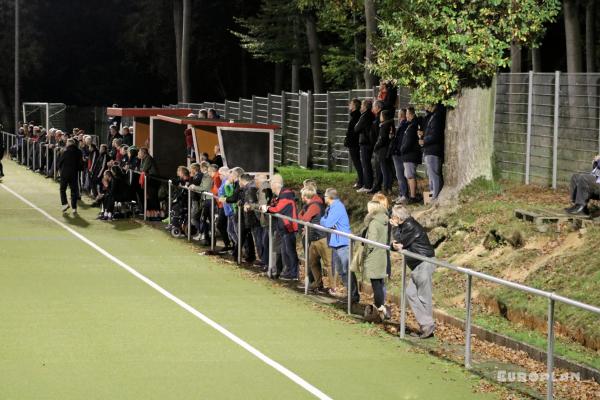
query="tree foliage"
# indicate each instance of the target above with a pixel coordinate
(437, 47)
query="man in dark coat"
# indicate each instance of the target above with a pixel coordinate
(410, 235)
(410, 152)
(433, 148)
(352, 141)
(2, 149)
(363, 130)
(70, 164)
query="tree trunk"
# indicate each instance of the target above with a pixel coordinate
(177, 23)
(469, 141)
(315, 53)
(295, 75)
(515, 57)
(359, 80)
(186, 37)
(536, 60)
(278, 84)
(573, 37)
(371, 29)
(244, 72)
(590, 36)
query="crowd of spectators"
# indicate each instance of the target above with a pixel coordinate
(382, 150)
(118, 174)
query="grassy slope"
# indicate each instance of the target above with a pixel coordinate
(74, 325)
(487, 206)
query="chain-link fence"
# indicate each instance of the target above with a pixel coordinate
(547, 126)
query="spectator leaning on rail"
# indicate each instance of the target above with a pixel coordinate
(352, 141)
(70, 164)
(219, 181)
(336, 218)
(432, 142)
(363, 129)
(319, 254)
(585, 187)
(284, 203)
(261, 232)
(410, 235)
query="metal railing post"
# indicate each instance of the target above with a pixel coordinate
(349, 278)
(40, 157)
(529, 121)
(550, 350)
(468, 323)
(555, 131)
(403, 300)
(145, 197)
(47, 159)
(306, 267)
(239, 235)
(212, 223)
(170, 183)
(22, 150)
(270, 267)
(189, 215)
(54, 161)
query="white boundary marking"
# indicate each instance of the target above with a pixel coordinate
(252, 350)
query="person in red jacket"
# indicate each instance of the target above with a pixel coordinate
(284, 203)
(318, 250)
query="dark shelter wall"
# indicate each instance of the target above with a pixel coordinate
(168, 147)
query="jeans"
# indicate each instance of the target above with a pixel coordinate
(340, 260)
(365, 158)
(434, 173)
(384, 177)
(289, 254)
(259, 244)
(402, 183)
(232, 229)
(222, 227)
(73, 185)
(355, 157)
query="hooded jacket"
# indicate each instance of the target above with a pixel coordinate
(285, 204)
(375, 258)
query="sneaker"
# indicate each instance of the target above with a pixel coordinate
(65, 208)
(400, 200)
(74, 211)
(427, 332)
(363, 190)
(197, 237)
(288, 278)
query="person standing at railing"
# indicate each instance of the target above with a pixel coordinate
(284, 203)
(230, 199)
(248, 195)
(318, 251)
(410, 235)
(219, 180)
(150, 170)
(336, 218)
(70, 164)
(261, 232)
(375, 258)
(352, 142)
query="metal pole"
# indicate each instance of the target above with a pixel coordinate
(17, 63)
(169, 208)
(22, 150)
(468, 323)
(529, 115)
(145, 196)
(47, 159)
(349, 278)
(555, 138)
(550, 351)
(40, 156)
(270, 269)
(55, 150)
(212, 222)
(306, 268)
(403, 300)
(239, 235)
(189, 217)
(33, 156)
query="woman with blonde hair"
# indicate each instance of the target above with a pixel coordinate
(374, 258)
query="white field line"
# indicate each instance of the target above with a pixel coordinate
(252, 350)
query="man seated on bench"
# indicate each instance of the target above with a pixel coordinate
(585, 187)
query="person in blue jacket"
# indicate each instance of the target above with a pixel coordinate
(336, 218)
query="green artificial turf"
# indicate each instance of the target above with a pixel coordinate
(75, 325)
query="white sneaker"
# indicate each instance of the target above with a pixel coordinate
(197, 237)
(363, 190)
(65, 208)
(400, 200)
(74, 211)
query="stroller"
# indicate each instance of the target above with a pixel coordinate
(179, 214)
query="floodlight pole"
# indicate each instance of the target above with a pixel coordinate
(17, 86)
